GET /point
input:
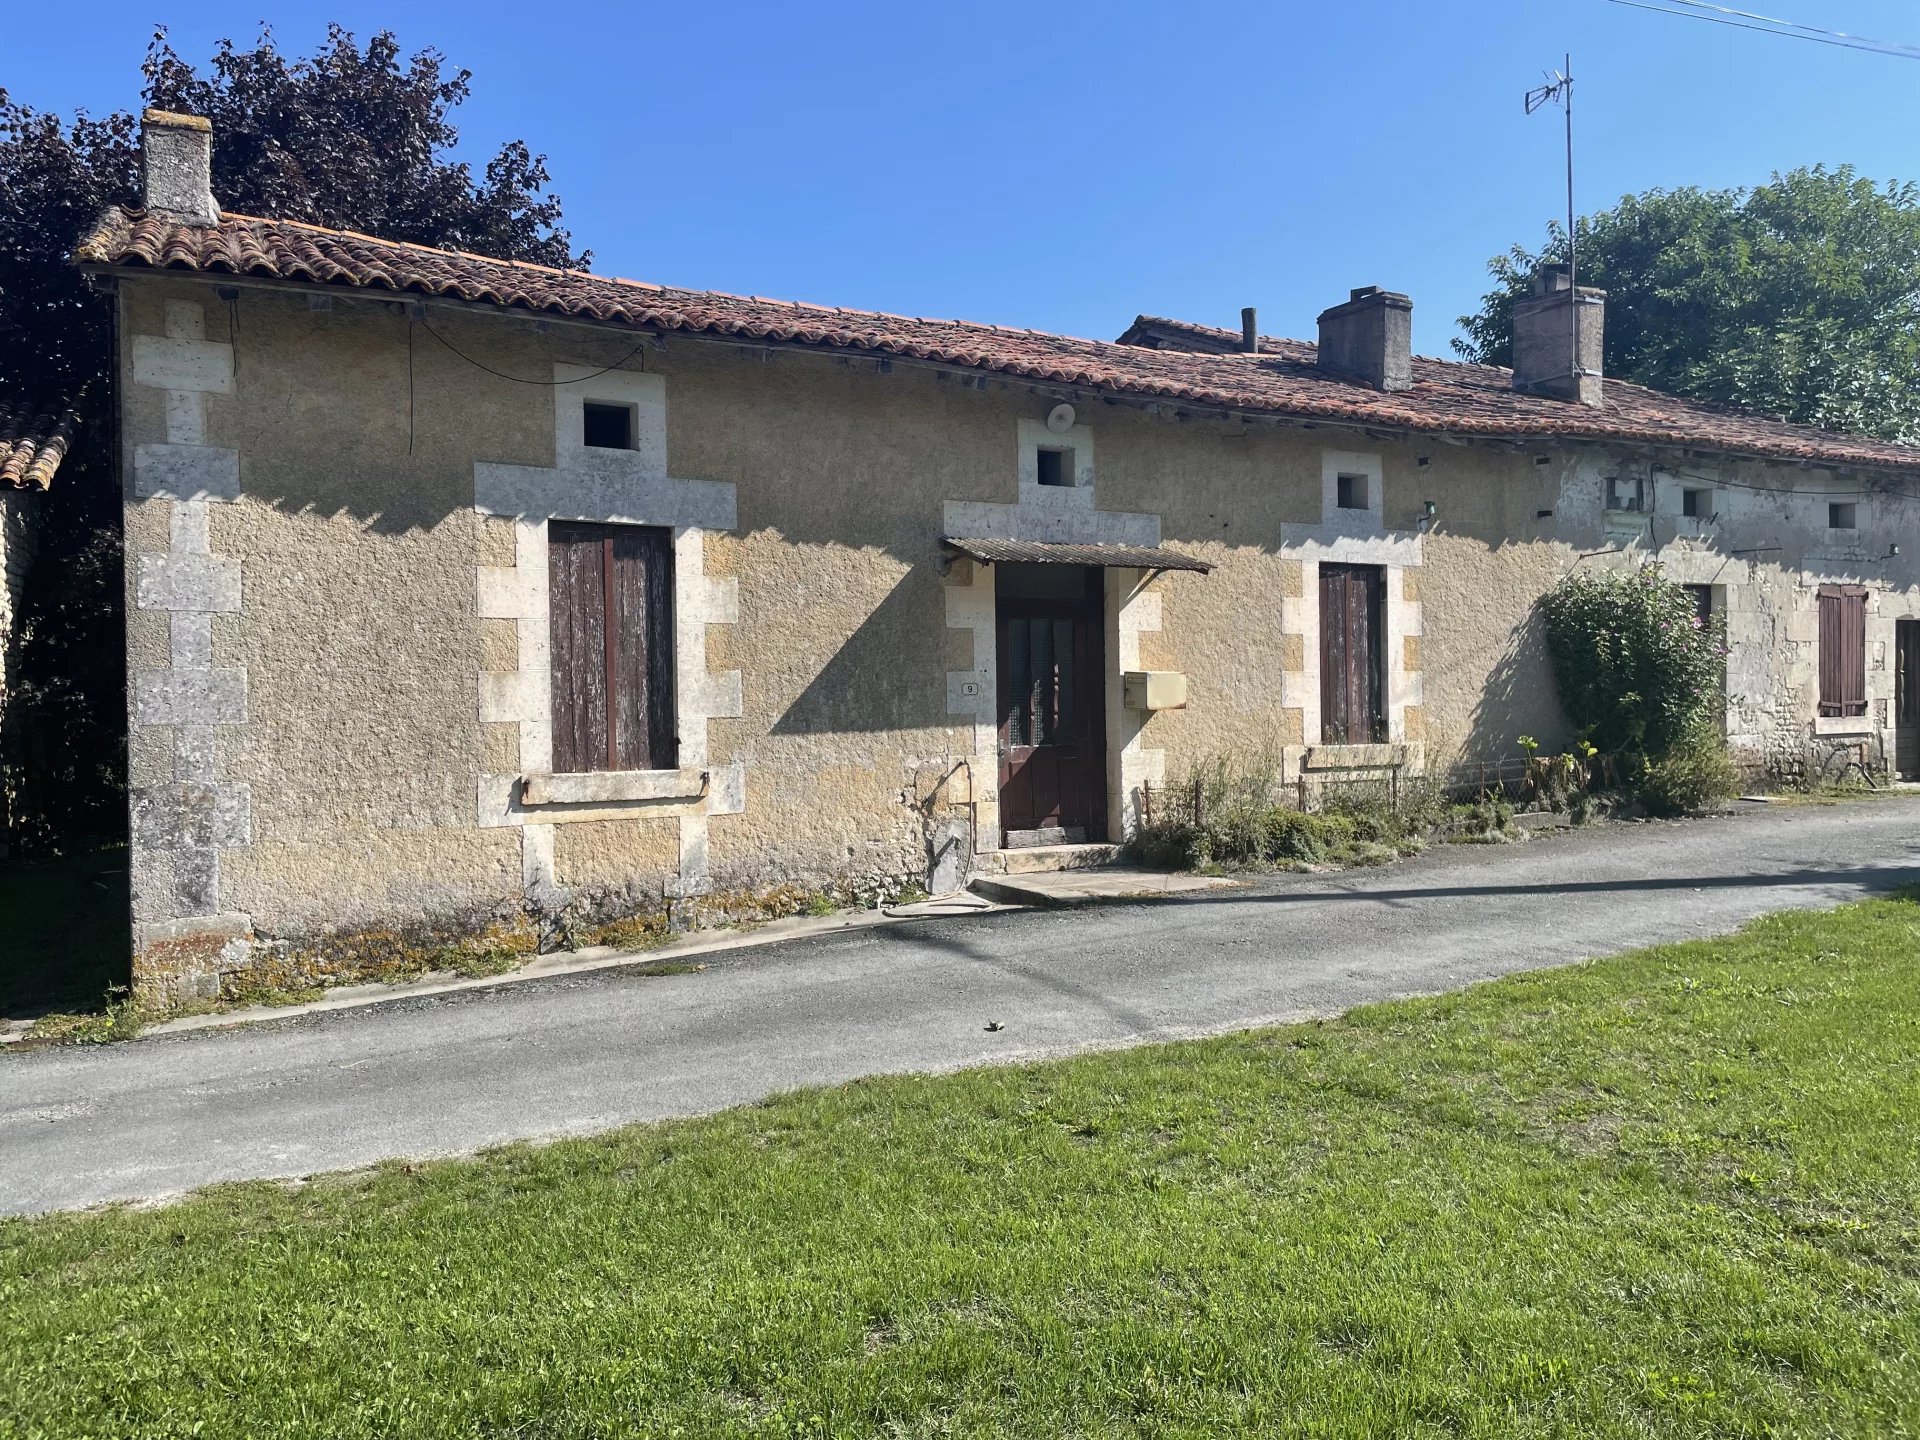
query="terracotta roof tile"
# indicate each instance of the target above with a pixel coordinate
(32, 445)
(1282, 379)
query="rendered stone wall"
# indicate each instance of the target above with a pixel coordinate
(335, 534)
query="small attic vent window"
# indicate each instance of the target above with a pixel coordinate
(1841, 515)
(1350, 492)
(608, 427)
(1054, 469)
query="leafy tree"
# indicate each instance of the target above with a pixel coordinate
(1798, 298)
(350, 137)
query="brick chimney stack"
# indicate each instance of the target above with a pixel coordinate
(176, 166)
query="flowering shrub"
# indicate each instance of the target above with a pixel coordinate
(1638, 670)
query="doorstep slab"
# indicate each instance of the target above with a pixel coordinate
(1086, 887)
(1038, 859)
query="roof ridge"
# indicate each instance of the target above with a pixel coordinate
(1449, 396)
(135, 212)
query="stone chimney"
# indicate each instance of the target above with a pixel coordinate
(1370, 339)
(1544, 357)
(176, 166)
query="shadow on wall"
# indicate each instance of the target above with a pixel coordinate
(1518, 697)
(878, 679)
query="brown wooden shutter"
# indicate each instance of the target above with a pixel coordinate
(610, 597)
(1352, 612)
(1843, 650)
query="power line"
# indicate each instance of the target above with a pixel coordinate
(1789, 24)
(1793, 30)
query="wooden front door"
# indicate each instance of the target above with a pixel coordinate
(1053, 765)
(1352, 646)
(1906, 699)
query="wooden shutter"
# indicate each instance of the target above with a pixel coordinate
(610, 598)
(1351, 630)
(1843, 650)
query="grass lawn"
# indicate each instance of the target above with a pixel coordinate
(64, 936)
(1671, 1194)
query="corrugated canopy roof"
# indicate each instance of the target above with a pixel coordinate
(1037, 552)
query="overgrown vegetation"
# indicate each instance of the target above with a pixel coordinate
(1641, 676)
(289, 971)
(121, 1018)
(1232, 812)
(1669, 1194)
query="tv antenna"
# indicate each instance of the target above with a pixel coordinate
(1558, 90)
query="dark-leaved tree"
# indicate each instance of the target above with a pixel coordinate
(352, 137)
(1798, 298)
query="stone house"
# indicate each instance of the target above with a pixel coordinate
(459, 588)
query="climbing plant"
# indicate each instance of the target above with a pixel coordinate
(1638, 670)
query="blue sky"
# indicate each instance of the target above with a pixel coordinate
(1064, 167)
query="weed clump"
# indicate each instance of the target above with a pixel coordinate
(1233, 812)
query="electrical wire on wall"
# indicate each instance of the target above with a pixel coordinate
(639, 349)
(1786, 490)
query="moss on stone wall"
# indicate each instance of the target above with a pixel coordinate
(292, 967)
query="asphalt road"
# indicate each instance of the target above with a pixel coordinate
(574, 1054)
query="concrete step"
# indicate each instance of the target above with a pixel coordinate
(1088, 887)
(1045, 859)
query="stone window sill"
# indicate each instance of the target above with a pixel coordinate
(1843, 725)
(1354, 757)
(601, 787)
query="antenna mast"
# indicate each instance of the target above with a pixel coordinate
(1559, 90)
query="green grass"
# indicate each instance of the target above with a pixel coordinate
(1671, 1194)
(64, 937)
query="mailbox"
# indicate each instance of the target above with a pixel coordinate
(1154, 690)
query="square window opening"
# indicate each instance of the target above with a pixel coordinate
(1350, 492)
(607, 427)
(1697, 504)
(1842, 515)
(1055, 467)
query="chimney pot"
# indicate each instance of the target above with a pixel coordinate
(1250, 330)
(176, 166)
(1544, 358)
(1551, 277)
(1369, 338)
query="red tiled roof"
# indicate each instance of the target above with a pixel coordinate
(32, 445)
(1447, 398)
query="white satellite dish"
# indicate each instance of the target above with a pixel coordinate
(1060, 419)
